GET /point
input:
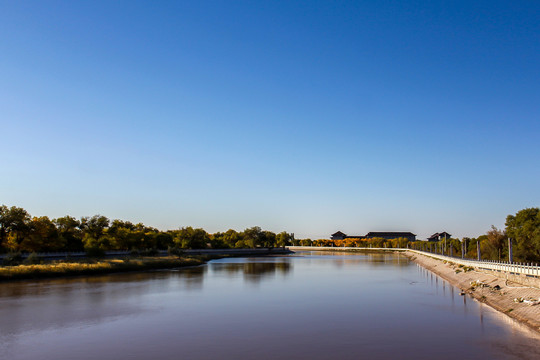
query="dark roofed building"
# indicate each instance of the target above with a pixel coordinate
(391, 235)
(338, 236)
(439, 236)
(373, 234)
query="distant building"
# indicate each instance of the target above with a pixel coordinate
(439, 236)
(338, 236)
(391, 235)
(373, 234)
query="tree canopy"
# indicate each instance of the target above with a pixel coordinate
(524, 229)
(21, 232)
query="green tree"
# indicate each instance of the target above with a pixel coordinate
(125, 235)
(224, 240)
(95, 234)
(253, 237)
(454, 247)
(284, 239)
(70, 233)
(94, 226)
(399, 242)
(524, 230)
(376, 242)
(163, 240)
(190, 238)
(496, 242)
(14, 221)
(268, 239)
(4, 225)
(43, 236)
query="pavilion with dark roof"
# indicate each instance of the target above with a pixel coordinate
(439, 236)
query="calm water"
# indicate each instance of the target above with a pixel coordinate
(309, 306)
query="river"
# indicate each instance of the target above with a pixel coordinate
(311, 305)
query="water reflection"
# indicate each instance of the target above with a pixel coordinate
(253, 272)
(112, 282)
(311, 305)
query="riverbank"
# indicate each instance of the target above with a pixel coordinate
(509, 298)
(65, 268)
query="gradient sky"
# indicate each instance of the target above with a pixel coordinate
(304, 116)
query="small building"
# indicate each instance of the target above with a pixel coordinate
(439, 236)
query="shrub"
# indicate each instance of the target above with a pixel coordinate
(33, 258)
(12, 259)
(176, 251)
(149, 252)
(95, 252)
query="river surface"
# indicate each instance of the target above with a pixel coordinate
(313, 305)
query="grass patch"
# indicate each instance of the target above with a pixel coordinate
(94, 267)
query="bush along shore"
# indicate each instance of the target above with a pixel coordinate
(61, 268)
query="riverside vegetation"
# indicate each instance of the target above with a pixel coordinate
(20, 232)
(93, 266)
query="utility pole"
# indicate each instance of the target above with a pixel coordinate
(510, 252)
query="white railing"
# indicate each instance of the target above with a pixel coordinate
(516, 268)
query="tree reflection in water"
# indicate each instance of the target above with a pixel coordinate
(252, 271)
(355, 258)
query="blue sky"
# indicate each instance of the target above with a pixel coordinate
(304, 116)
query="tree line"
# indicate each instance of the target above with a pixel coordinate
(20, 232)
(521, 229)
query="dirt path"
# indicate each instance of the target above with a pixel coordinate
(487, 292)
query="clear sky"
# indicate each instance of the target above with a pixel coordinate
(303, 116)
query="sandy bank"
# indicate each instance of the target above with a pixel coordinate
(501, 300)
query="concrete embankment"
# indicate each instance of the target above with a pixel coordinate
(488, 287)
